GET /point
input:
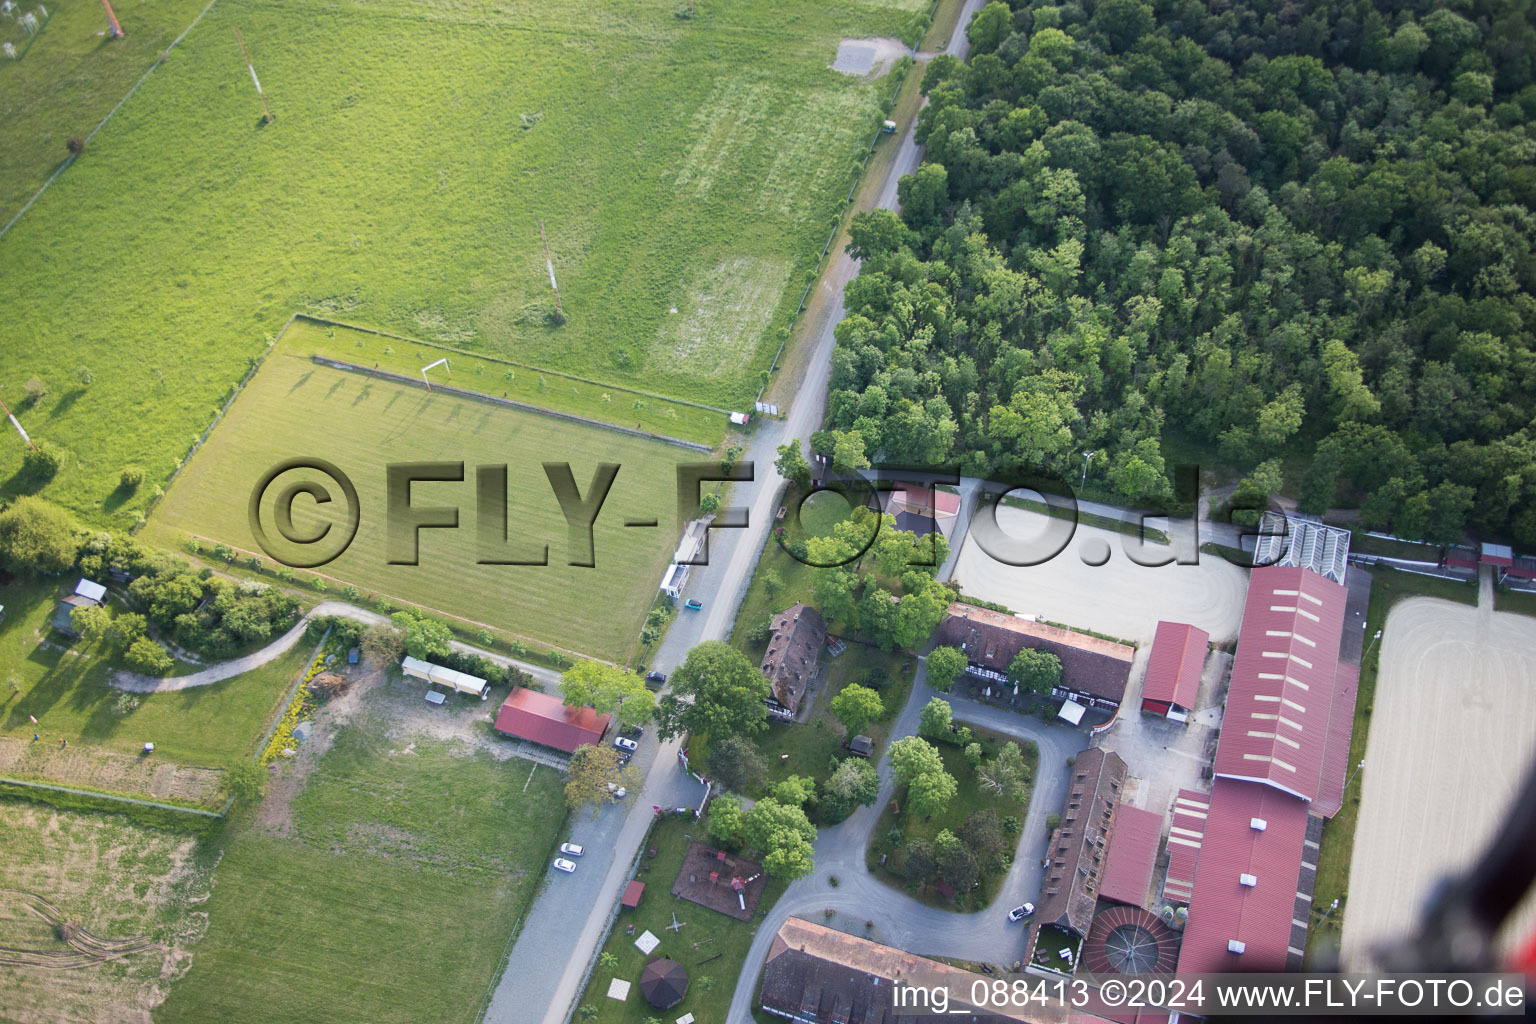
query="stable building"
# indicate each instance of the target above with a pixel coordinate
(1172, 681)
(815, 975)
(789, 664)
(539, 718)
(1094, 671)
(1080, 845)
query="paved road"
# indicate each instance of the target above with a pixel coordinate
(237, 666)
(530, 991)
(899, 920)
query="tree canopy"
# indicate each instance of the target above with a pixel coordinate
(1300, 231)
(608, 690)
(716, 691)
(856, 706)
(944, 665)
(1035, 671)
(36, 537)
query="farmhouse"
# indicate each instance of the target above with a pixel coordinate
(1081, 843)
(539, 718)
(795, 638)
(1173, 670)
(86, 595)
(1093, 671)
(819, 976)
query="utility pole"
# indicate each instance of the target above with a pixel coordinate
(116, 29)
(550, 263)
(17, 424)
(254, 79)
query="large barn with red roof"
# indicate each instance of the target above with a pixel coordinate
(1248, 858)
(539, 718)
(1173, 670)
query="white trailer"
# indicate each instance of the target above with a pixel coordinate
(462, 682)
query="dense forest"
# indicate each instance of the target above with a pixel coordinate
(1295, 236)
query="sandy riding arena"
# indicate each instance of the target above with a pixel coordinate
(1453, 732)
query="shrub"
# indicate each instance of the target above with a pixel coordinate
(123, 703)
(148, 657)
(1052, 822)
(34, 391)
(75, 145)
(130, 478)
(758, 634)
(245, 782)
(41, 464)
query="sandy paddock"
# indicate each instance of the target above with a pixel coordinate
(1453, 731)
(1118, 597)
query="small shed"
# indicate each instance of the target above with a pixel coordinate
(1071, 712)
(663, 983)
(740, 418)
(862, 745)
(632, 893)
(91, 591)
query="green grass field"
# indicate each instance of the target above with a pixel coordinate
(294, 407)
(65, 688)
(694, 165)
(392, 902)
(69, 77)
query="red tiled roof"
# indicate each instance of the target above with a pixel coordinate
(1281, 697)
(1132, 855)
(1341, 723)
(1173, 670)
(1223, 908)
(531, 715)
(943, 503)
(1186, 830)
(632, 893)
(991, 639)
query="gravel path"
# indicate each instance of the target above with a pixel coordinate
(136, 683)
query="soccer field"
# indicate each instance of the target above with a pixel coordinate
(294, 408)
(686, 172)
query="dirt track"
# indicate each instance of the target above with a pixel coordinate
(1119, 597)
(1453, 731)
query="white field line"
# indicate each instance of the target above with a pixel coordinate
(65, 165)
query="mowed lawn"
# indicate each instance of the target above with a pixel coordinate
(64, 686)
(694, 165)
(295, 407)
(392, 901)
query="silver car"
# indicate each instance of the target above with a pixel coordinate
(561, 864)
(571, 849)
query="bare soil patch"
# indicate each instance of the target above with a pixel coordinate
(868, 58)
(109, 771)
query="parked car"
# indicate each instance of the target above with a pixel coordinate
(634, 732)
(618, 792)
(571, 849)
(625, 743)
(655, 680)
(561, 864)
(1019, 913)
(693, 604)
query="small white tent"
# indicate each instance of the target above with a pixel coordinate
(463, 682)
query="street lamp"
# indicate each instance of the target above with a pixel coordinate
(1353, 774)
(1372, 644)
(1087, 459)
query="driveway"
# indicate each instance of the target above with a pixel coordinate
(530, 991)
(899, 920)
(137, 683)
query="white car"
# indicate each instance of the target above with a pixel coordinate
(561, 864)
(571, 849)
(625, 743)
(619, 792)
(1021, 912)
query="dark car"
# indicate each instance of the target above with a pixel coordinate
(655, 680)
